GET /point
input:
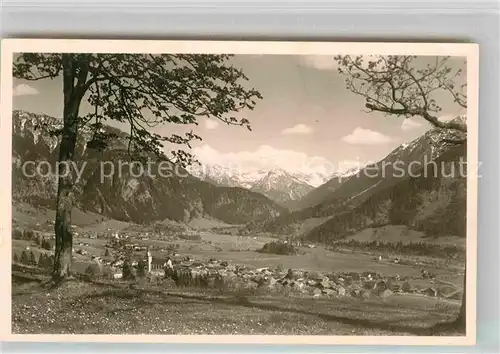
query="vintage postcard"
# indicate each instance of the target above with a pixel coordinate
(239, 192)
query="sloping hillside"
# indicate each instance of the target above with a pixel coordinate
(346, 206)
(281, 187)
(433, 203)
(319, 194)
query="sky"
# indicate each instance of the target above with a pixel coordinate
(307, 120)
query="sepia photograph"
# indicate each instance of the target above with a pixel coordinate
(240, 190)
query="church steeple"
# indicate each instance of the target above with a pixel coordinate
(150, 259)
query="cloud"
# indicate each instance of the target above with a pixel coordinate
(266, 157)
(298, 129)
(362, 136)
(409, 124)
(23, 90)
(320, 62)
(211, 124)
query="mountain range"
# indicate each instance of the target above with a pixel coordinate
(123, 196)
(408, 187)
(393, 191)
(286, 188)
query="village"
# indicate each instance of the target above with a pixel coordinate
(157, 258)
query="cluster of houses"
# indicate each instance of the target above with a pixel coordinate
(298, 243)
(134, 247)
(155, 266)
(316, 284)
(122, 250)
(362, 285)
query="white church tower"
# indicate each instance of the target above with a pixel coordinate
(150, 260)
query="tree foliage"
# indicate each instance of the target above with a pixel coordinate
(90, 271)
(141, 268)
(278, 247)
(411, 248)
(46, 245)
(142, 91)
(25, 258)
(127, 270)
(32, 259)
(399, 85)
(145, 90)
(42, 260)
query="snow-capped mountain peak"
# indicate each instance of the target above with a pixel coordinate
(277, 184)
(281, 186)
(227, 176)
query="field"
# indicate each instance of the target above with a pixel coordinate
(242, 250)
(88, 307)
(400, 233)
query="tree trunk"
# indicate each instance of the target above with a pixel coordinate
(65, 197)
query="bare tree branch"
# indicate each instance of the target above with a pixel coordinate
(396, 85)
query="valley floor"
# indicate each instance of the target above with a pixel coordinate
(82, 307)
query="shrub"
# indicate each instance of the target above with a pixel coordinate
(355, 276)
(16, 258)
(28, 235)
(406, 287)
(190, 237)
(313, 275)
(167, 283)
(17, 234)
(141, 268)
(90, 271)
(203, 280)
(278, 247)
(42, 260)
(219, 282)
(200, 280)
(169, 273)
(334, 277)
(412, 248)
(50, 262)
(25, 258)
(170, 247)
(32, 259)
(107, 273)
(127, 270)
(369, 284)
(290, 275)
(46, 245)
(174, 276)
(183, 278)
